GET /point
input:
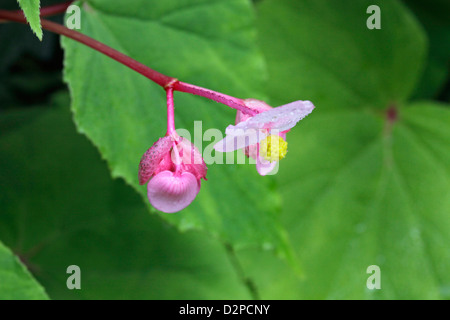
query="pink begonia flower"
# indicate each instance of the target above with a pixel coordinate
(263, 136)
(174, 167)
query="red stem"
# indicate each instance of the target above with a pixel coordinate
(157, 77)
(153, 75)
(55, 9)
(50, 10)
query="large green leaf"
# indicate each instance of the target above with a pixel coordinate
(201, 42)
(31, 11)
(323, 51)
(16, 283)
(366, 181)
(60, 208)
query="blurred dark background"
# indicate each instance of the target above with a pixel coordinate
(30, 70)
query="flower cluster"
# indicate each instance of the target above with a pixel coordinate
(173, 167)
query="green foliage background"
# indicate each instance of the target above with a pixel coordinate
(358, 187)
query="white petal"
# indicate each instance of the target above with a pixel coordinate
(238, 139)
(280, 118)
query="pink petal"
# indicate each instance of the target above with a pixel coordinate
(192, 159)
(165, 164)
(257, 105)
(240, 116)
(152, 158)
(265, 167)
(280, 118)
(171, 192)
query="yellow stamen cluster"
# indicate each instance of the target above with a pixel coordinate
(273, 148)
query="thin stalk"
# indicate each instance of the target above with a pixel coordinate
(170, 112)
(230, 101)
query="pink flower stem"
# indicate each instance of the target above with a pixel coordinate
(170, 112)
(230, 101)
(157, 77)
